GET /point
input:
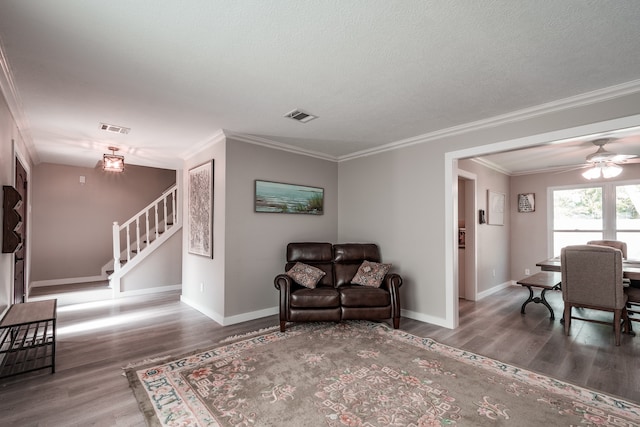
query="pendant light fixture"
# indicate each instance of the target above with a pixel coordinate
(113, 162)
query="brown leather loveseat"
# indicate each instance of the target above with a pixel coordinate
(334, 297)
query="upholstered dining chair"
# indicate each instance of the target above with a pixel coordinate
(592, 278)
(611, 243)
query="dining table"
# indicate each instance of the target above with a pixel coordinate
(630, 267)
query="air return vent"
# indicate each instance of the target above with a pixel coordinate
(300, 116)
(114, 128)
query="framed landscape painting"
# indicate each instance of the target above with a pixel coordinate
(201, 210)
(277, 197)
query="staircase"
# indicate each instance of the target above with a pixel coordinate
(137, 238)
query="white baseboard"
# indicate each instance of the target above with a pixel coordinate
(231, 320)
(438, 321)
(493, 290)
(204, 310)
(147, 291)
(239, 318)
(67, 281)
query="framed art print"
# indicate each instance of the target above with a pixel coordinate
(200, 216)
(526, 202)
(278, 197)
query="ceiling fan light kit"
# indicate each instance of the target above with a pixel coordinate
(607, 170)
(604, 162)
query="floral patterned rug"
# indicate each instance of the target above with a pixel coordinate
(360, 373)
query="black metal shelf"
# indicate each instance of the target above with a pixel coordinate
(28, 338)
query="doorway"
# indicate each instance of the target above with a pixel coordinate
(467, 282)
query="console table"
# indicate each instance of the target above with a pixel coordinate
(28, 338)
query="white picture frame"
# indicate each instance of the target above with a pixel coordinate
(496, 207)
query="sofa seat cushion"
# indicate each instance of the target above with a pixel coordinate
(363, 296)
(322, 297)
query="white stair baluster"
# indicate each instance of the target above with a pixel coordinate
(128, 244)
(146, 221)
(166, 221)
(116, 246)
(157, 225)
(173, 206)
(137, 235)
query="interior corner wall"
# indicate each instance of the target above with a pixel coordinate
(529, 232)
(203, 285)
(492, 241)
(72, 221)
(8, 133)
(162, 268)
(256, 242)
(398, 198)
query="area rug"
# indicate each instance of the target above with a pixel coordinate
(360, 374)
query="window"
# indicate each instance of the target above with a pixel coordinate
(607, 211)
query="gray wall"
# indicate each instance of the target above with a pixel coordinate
(398, 199)
(72, 233)
(492, 241)
(250, 247)
(529, 232)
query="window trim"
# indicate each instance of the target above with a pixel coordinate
(608, 206)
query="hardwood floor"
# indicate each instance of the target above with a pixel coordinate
(96, 340)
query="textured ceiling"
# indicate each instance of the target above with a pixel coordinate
(375, 71)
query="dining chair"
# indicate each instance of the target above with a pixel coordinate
(592, 278)
(611, 243)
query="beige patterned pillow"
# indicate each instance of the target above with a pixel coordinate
(306, 275)
(371, 274)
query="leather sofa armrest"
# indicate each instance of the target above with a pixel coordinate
(392, 283)
(283, 283)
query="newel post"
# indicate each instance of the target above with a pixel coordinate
(116, 246)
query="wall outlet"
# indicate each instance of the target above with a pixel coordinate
(527, 271)
(494, 272)
(201, 287)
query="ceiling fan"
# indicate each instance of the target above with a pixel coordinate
(604, 163)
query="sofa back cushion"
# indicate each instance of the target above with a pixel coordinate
(348, 257)
(319, 255)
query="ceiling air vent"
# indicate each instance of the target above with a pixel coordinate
(300, 116)
(114, 128)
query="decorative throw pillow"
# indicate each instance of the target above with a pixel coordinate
(371, 274)
(306, 275)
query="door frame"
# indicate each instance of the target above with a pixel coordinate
(471, 254)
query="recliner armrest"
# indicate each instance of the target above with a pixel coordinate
(392, 283)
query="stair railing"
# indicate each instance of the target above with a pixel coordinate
(156, 218)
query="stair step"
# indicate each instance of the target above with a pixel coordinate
(74, 293)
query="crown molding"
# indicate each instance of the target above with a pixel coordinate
(14, 102)
(593, 97)
(265, 142)
(194, 149)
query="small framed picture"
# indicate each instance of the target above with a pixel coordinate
(461, 237)
(526, 202)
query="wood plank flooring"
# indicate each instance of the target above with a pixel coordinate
(96, 340)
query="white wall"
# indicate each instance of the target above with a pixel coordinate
(198, 270)
(161, 268)
(8, 151)
(250, 247)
